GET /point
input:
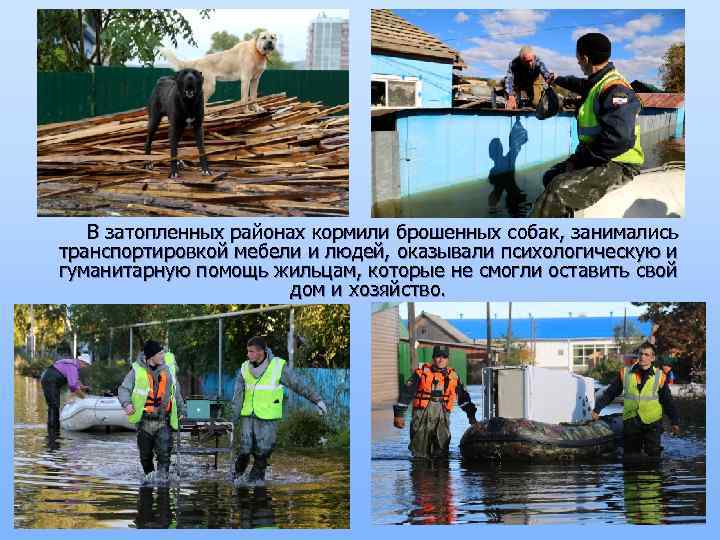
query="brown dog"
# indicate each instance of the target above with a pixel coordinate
(245, 62)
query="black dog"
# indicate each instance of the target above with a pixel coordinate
(181, 99)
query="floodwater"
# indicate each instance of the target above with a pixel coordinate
(511, 193)
(418, 492)
(92, 480)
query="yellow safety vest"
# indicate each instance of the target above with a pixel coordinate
(264, 396)
(645, 403)
(142, 389)
(589, 127)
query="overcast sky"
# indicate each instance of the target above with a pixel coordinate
(489, 39)
(522, 310)
(291, 26)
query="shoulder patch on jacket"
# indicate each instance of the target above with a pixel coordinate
(619, 99)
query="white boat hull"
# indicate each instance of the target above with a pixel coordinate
(653, 194)
(93, 411)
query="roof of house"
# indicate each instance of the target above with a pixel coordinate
(448, 328)
(661, 100)
(560, 328)
(390, 33)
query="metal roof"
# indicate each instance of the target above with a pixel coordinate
(560, 328)
(662, 100)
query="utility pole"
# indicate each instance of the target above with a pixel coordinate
(488, 332)
(508, 339)
(411, 335)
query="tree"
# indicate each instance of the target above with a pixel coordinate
(76, 39)
(672, 70)
(680, 331)
(627, 337)
(222, 41)
(275, 60)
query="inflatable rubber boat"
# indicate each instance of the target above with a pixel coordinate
(519, 439)
(654, 193)
(93, 412)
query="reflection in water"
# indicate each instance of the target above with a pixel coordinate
(91, 480)
(670, 491)
(434, 501)
(502, 173)
(153, 512)
(482, 197)
(643, 486)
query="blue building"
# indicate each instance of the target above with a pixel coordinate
(410, 68)
(569, 343)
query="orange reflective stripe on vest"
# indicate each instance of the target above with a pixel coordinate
(435, 385)
(155, 396)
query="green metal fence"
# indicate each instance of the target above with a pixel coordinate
(457, 361)
(64, 96)
(72, 96)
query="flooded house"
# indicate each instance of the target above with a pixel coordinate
(432, 159)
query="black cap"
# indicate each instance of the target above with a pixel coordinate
(151, 348)
(440, 350)
(595, 46)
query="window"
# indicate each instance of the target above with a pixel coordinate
(592, 354)
(394, 92)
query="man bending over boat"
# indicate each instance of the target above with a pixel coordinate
(151, 397)
(433, 389)
(646, 397)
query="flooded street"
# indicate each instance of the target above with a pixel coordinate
(421, 493)
(512, 193)
(92, 480)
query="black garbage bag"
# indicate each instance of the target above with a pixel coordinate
(549, 104)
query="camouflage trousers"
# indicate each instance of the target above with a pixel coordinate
(567, 191)
(430, 431)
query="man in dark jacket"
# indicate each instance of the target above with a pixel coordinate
(609, 153)
(525, 74)
(647, 397)
(433, 389)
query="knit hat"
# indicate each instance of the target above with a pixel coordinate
(85, 357)
(151, 348)
(439, 350)
(595, 46)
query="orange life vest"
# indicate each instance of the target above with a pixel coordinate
(435, 385)
(156, 395)
(639, 379)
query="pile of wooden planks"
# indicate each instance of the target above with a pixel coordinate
(292, 159)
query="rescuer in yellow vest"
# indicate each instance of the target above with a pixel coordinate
(646, 397)
(258, 404)
(609, 152)
(151, 397)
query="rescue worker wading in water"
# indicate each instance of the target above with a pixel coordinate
(646, 398)
(433, 389)
(151, 398)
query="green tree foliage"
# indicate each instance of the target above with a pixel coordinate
(322, 332)
(222, 41)
(275, 60)
(124, 34)
(672, 70)
(680, 332)
(606, 371)
(48, 323)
